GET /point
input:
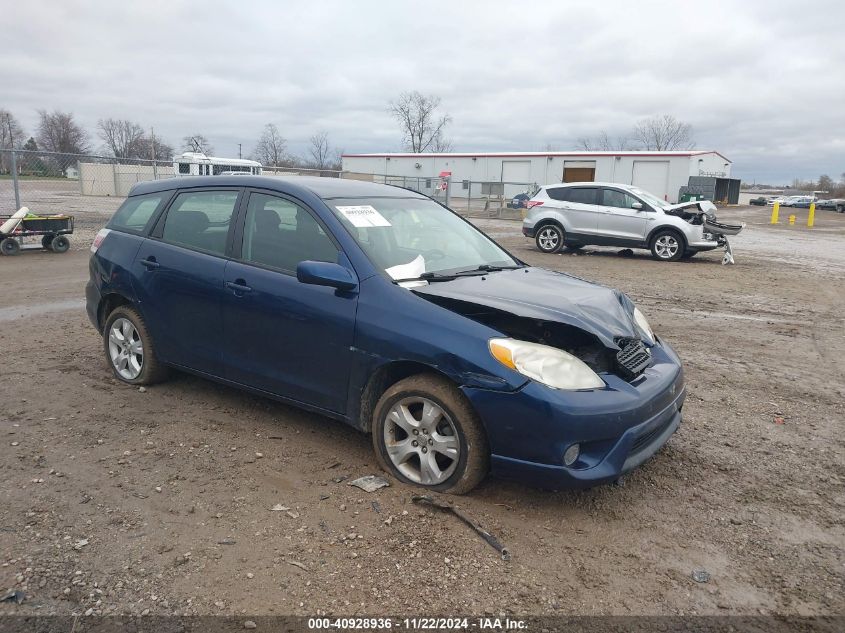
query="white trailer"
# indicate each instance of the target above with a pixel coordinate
(661, 173)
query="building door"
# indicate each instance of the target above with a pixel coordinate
(579, 171)
(516, 171)
(652, 176)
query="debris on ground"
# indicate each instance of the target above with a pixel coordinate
(626, 252)
(700, 575)
(249, 624)
(279, 508)
(14, 596)
(296, 563)
(779, 420)
(491, 540)
(226, 541)
(369, 483)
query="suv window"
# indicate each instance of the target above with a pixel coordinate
(583, 195)
(559, 193)
(201, 220)
(618, 199)
(135, 213)
(279, 233)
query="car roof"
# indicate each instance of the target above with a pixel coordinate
(589, 184)
(326, 188)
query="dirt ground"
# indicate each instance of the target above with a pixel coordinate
(122, 501)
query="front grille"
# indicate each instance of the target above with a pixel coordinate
(633, 357)
(646, 438)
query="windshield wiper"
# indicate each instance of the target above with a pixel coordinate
(486, 268)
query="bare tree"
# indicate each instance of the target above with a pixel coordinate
(123, 138)
(825, 183)
(603, 143)
(197, 143)
(664, 133)
(318, 150)
(11, 137)
(153, 147)
(271, 149)
(58, 132)
(11, 133)
(422, 129)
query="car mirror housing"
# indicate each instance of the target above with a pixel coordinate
(638, 206)
(325, 274)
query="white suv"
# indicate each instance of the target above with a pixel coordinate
(609, 214)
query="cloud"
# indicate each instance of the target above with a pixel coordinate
(758, 82)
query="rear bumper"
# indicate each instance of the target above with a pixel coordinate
(618, 428)
(528, 228)
(92, 303)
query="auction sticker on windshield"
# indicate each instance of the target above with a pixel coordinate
(363, 216)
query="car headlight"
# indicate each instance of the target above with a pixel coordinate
(645, 328)
(551, 366)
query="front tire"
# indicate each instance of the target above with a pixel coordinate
(549, 238)
(426, 433)
(667, 246)
(130, 350)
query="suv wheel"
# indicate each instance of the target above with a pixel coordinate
(426, 433)
(549, 238)
(667, 246)
(129, 348)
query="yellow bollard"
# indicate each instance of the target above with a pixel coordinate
(792, 219)
(775, 210)
(811, 219)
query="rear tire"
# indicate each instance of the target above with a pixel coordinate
(549, 238)
(667, 245)
(129, 348)
(426, 433)
(60, 244)
(10, 246)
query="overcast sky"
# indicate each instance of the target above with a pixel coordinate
(760, 81)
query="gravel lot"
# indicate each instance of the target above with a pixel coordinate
(130, 502)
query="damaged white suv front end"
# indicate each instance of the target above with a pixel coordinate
(701, 229)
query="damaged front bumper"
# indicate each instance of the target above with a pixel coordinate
(617, 428)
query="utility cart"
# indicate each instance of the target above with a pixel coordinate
(23, 227)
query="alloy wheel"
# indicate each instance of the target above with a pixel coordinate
(421, 441)
(126, 351)
(548, 239)
(666, 246)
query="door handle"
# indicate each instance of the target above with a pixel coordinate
(150, 263)
(238, 286)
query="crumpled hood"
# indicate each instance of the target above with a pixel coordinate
(545, 295)
(705, 206)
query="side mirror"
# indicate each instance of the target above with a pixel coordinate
(326, 274)
(638, 206)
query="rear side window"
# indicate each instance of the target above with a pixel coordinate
(583, 195)
(135, 213)
(201, 220)
(559, 193)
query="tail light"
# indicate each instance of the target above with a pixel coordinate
(533, 203)
(98, 239)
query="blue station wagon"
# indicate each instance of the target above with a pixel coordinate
(378, 306)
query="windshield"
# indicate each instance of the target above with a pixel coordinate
(651, 199)
(406, 237)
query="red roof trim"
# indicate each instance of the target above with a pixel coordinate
(538, 154)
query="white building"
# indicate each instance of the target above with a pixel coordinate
(661, 173)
